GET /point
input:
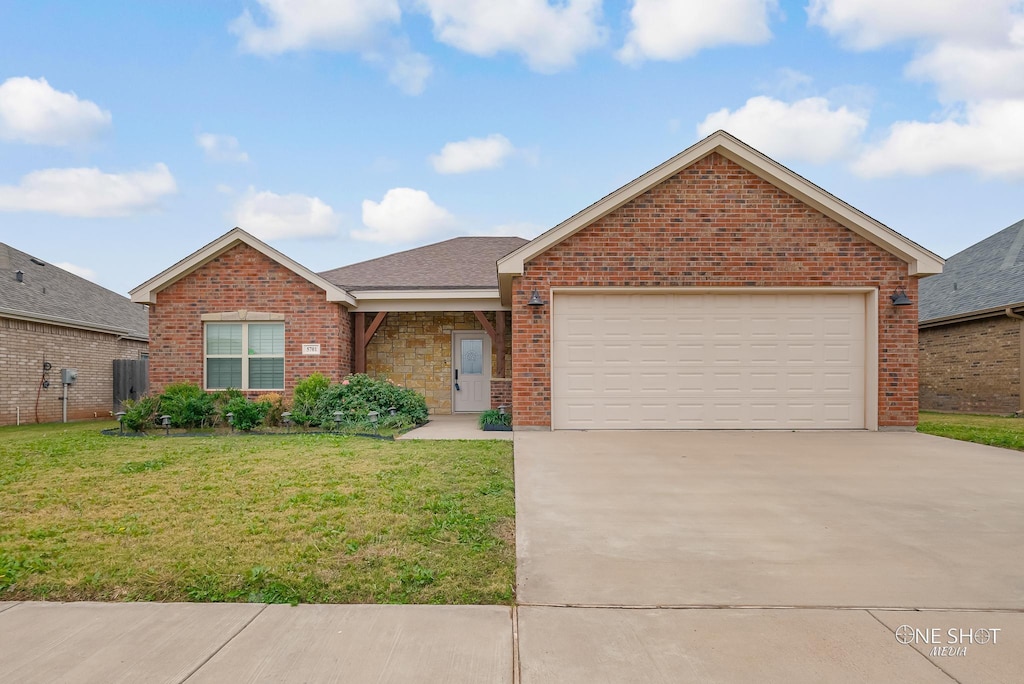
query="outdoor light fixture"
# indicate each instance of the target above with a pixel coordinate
(535, 299)
(231, 420)
(899, 297)
(337, 419)
(374, 417)
(501, 410)
(286, 418)
(120, 419)
(165, 421)
(392, 411)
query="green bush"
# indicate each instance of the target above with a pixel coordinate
(357, 395)
(305, 397)
(188, 405)
(495, 417)
(245, 414)
(275, 407)
(138, 413)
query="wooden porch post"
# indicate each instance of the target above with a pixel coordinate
(499, 329)
(360, 343)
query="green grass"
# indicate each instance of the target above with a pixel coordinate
(997, 431)
(300, 518)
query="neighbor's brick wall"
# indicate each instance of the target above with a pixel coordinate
(24, 346)
(971, 367)
(715, 224)
(243, 278)
(415, 350)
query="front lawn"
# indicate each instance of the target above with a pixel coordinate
(993, 430)
(300, 518)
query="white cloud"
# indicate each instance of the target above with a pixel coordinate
(32, 111)
(973, 72)
(676, 29)
(473, 154)
(80, 271)
(270, 216)
(988, 139)
(404, 215)
(869, 24)
(223, 148)
(409, 71)
(807, 129)
(88, 192)
(549, 37)
(314, 24)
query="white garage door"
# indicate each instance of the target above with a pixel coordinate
(719, 361)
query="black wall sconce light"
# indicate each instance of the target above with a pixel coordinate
(899, 297)
(535, 299)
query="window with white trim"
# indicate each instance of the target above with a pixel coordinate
(246, 356)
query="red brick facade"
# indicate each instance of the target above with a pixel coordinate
(972, 367)
(244, 279)
(24, 346)
(715, 224)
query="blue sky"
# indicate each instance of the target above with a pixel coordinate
(131, 134)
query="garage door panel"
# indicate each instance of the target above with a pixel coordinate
(672, 361)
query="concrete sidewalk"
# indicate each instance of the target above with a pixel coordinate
(455, 426)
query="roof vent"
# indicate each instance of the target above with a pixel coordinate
(37, 262)
(19, 276)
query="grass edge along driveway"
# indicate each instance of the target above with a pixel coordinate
(1000, 431)
(285, 518)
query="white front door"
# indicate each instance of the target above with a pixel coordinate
(471, 374)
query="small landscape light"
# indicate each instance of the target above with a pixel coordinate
(393, 411)
(337, 419)
(501, 410)
(231, 420)
(374, 417)
(165, 421)
(120, 420)
(286, 418)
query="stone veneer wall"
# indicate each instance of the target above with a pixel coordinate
(972, 367)
(414, 349)
(715, 224)
(24, 346)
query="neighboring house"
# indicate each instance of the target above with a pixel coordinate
(970, 330)
(719, 290)
(51, 319)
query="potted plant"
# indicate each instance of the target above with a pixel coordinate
(496, 420)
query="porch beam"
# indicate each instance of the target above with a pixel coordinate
(377, 320)
(359, 342)
(499, 329)
(488, 328)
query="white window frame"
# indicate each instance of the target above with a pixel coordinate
(245, 355)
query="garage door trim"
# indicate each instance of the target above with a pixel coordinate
(870, 327)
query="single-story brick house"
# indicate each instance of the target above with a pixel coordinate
(718, 290)
(970, 328)
(51, 319)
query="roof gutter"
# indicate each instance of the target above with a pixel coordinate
(69, 323)
(1003, 310)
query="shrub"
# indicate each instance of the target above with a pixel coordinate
(495, 417)
(188, 405)
(245, 414)
(138, 413)
(275, 407)
(306, 396)
(357, 395)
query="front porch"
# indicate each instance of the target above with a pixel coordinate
(423, 350)
(455, 426)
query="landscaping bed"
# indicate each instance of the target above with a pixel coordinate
(270, 518)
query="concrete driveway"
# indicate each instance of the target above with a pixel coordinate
(741, 556)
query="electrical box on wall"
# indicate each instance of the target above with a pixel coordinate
(68, 375)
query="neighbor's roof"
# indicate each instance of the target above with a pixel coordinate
(459, 263)
(53, 295)
(986, 276)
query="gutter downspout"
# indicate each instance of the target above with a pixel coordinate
(1020, 367)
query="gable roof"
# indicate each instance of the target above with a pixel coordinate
(465, 263)
(984, 277)
(52, 295)
(147, 292)
(920, 260)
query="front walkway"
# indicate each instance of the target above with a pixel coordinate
(455, 426)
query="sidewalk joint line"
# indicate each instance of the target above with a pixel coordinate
(14, 604)
(516, 669)
(221, 647)
(917, 650)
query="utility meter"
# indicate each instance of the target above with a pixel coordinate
(68, 375)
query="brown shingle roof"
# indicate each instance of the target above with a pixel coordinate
(462, 262)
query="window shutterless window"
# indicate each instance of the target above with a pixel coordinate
(247, 356)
